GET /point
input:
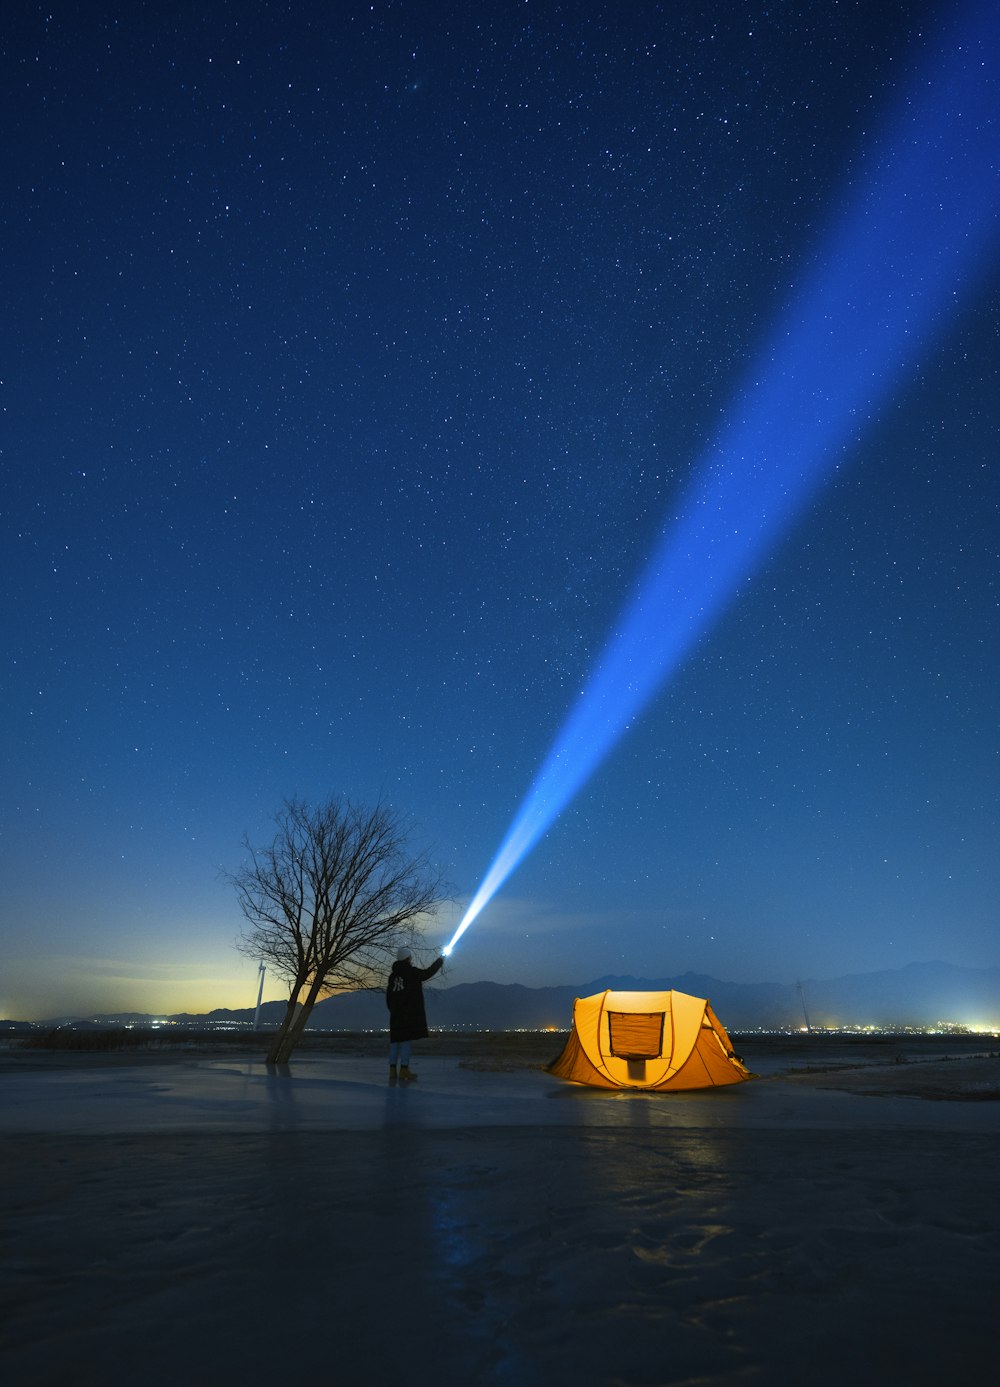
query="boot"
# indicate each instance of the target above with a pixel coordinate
(406, 1074)
(392, 1073)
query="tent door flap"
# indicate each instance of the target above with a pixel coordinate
(636, 1035)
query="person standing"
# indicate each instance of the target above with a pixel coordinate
(404, 996)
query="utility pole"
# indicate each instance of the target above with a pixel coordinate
(260, 993)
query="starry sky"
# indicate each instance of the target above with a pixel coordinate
(354, 355)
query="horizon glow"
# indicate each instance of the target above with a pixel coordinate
(903, 254)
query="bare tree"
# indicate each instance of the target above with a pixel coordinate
(328, 902)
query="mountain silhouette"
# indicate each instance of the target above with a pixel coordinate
(919, 994)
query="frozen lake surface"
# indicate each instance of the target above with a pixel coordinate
(197, 1218)
(319, 1091)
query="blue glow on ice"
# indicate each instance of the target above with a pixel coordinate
(902, 257)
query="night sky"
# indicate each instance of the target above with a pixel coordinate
(354, 356)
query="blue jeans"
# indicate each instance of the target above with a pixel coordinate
(399, 1050)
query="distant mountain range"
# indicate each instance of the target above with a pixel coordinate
(921, 994)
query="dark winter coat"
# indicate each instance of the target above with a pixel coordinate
(404, 996)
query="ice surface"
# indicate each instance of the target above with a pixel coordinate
(209, 1222)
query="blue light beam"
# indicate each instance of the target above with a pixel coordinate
(902, 258)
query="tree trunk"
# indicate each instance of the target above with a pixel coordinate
(291, 1035)
(277, 1044)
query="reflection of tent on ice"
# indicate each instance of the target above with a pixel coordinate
(661, 1040)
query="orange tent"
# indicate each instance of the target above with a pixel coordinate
(650, 1040)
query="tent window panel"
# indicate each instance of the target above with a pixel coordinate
(636, 1035)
